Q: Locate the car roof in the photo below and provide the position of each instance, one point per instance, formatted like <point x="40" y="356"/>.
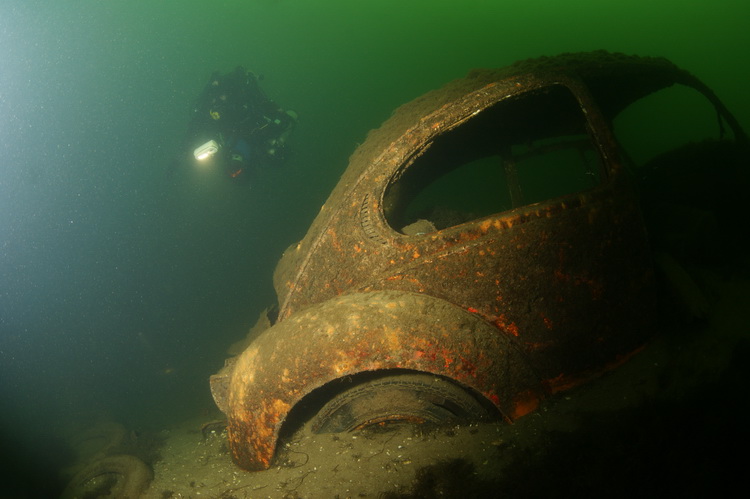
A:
<point x="613" y="80"/>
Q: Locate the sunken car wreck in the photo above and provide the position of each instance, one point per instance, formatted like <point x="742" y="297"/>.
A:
<point x="485" y="248"/>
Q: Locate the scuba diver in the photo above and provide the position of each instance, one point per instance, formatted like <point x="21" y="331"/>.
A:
<point x="236" y="126"/>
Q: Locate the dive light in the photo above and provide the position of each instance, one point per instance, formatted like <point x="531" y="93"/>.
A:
<point x="206" y="150"/>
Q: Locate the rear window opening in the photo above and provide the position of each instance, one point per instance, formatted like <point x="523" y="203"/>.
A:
<point x="522" y="150"/>
<point x="690" y="167"/>
<point x="666" y="121"/>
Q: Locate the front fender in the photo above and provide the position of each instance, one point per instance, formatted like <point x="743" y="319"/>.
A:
<point x="364" y="332"/>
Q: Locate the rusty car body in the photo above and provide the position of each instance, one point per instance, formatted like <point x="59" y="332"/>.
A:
<point x="489" y="235"/>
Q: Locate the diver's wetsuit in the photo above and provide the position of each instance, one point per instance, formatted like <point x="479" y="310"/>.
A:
<point x="249" y="127"/>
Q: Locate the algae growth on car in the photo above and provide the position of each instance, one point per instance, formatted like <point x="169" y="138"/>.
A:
<point x="406" y="302"/>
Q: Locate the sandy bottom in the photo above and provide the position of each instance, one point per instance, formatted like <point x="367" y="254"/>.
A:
<point x="667" y="423"/>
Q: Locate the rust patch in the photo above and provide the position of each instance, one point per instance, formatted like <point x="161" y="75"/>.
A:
<point x="363" y="332"/>
<point x="525" y="403"/>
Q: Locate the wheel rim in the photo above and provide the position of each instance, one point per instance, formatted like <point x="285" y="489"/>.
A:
<point x="398" y="399"/>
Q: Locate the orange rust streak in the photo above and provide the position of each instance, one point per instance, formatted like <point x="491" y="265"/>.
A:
<point x="525" y="402"/>
<point x="334" y="239"/>
<point x="548" y="322"/>
<point x="563" y="382"/>
<point x="511" y="327"/>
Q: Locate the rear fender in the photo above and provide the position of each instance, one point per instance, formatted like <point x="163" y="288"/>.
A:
<point x="361" y="332"/>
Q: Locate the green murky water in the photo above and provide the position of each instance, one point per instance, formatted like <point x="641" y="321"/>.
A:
<point x="120" y="286"/>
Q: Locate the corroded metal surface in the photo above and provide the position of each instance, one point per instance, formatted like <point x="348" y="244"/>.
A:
<point x="367" y="332"/>
<point x="515" y="305"/>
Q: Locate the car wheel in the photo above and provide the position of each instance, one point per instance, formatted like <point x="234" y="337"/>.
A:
<point x="398" y="398"/>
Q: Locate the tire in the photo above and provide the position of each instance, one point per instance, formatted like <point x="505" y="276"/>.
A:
<point x="398" y="399"/>
<point x="120" y="476"/>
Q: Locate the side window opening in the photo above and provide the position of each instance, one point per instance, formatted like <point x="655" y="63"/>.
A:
<point x="522" y="150"/>
<point x="554" y="168"/>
